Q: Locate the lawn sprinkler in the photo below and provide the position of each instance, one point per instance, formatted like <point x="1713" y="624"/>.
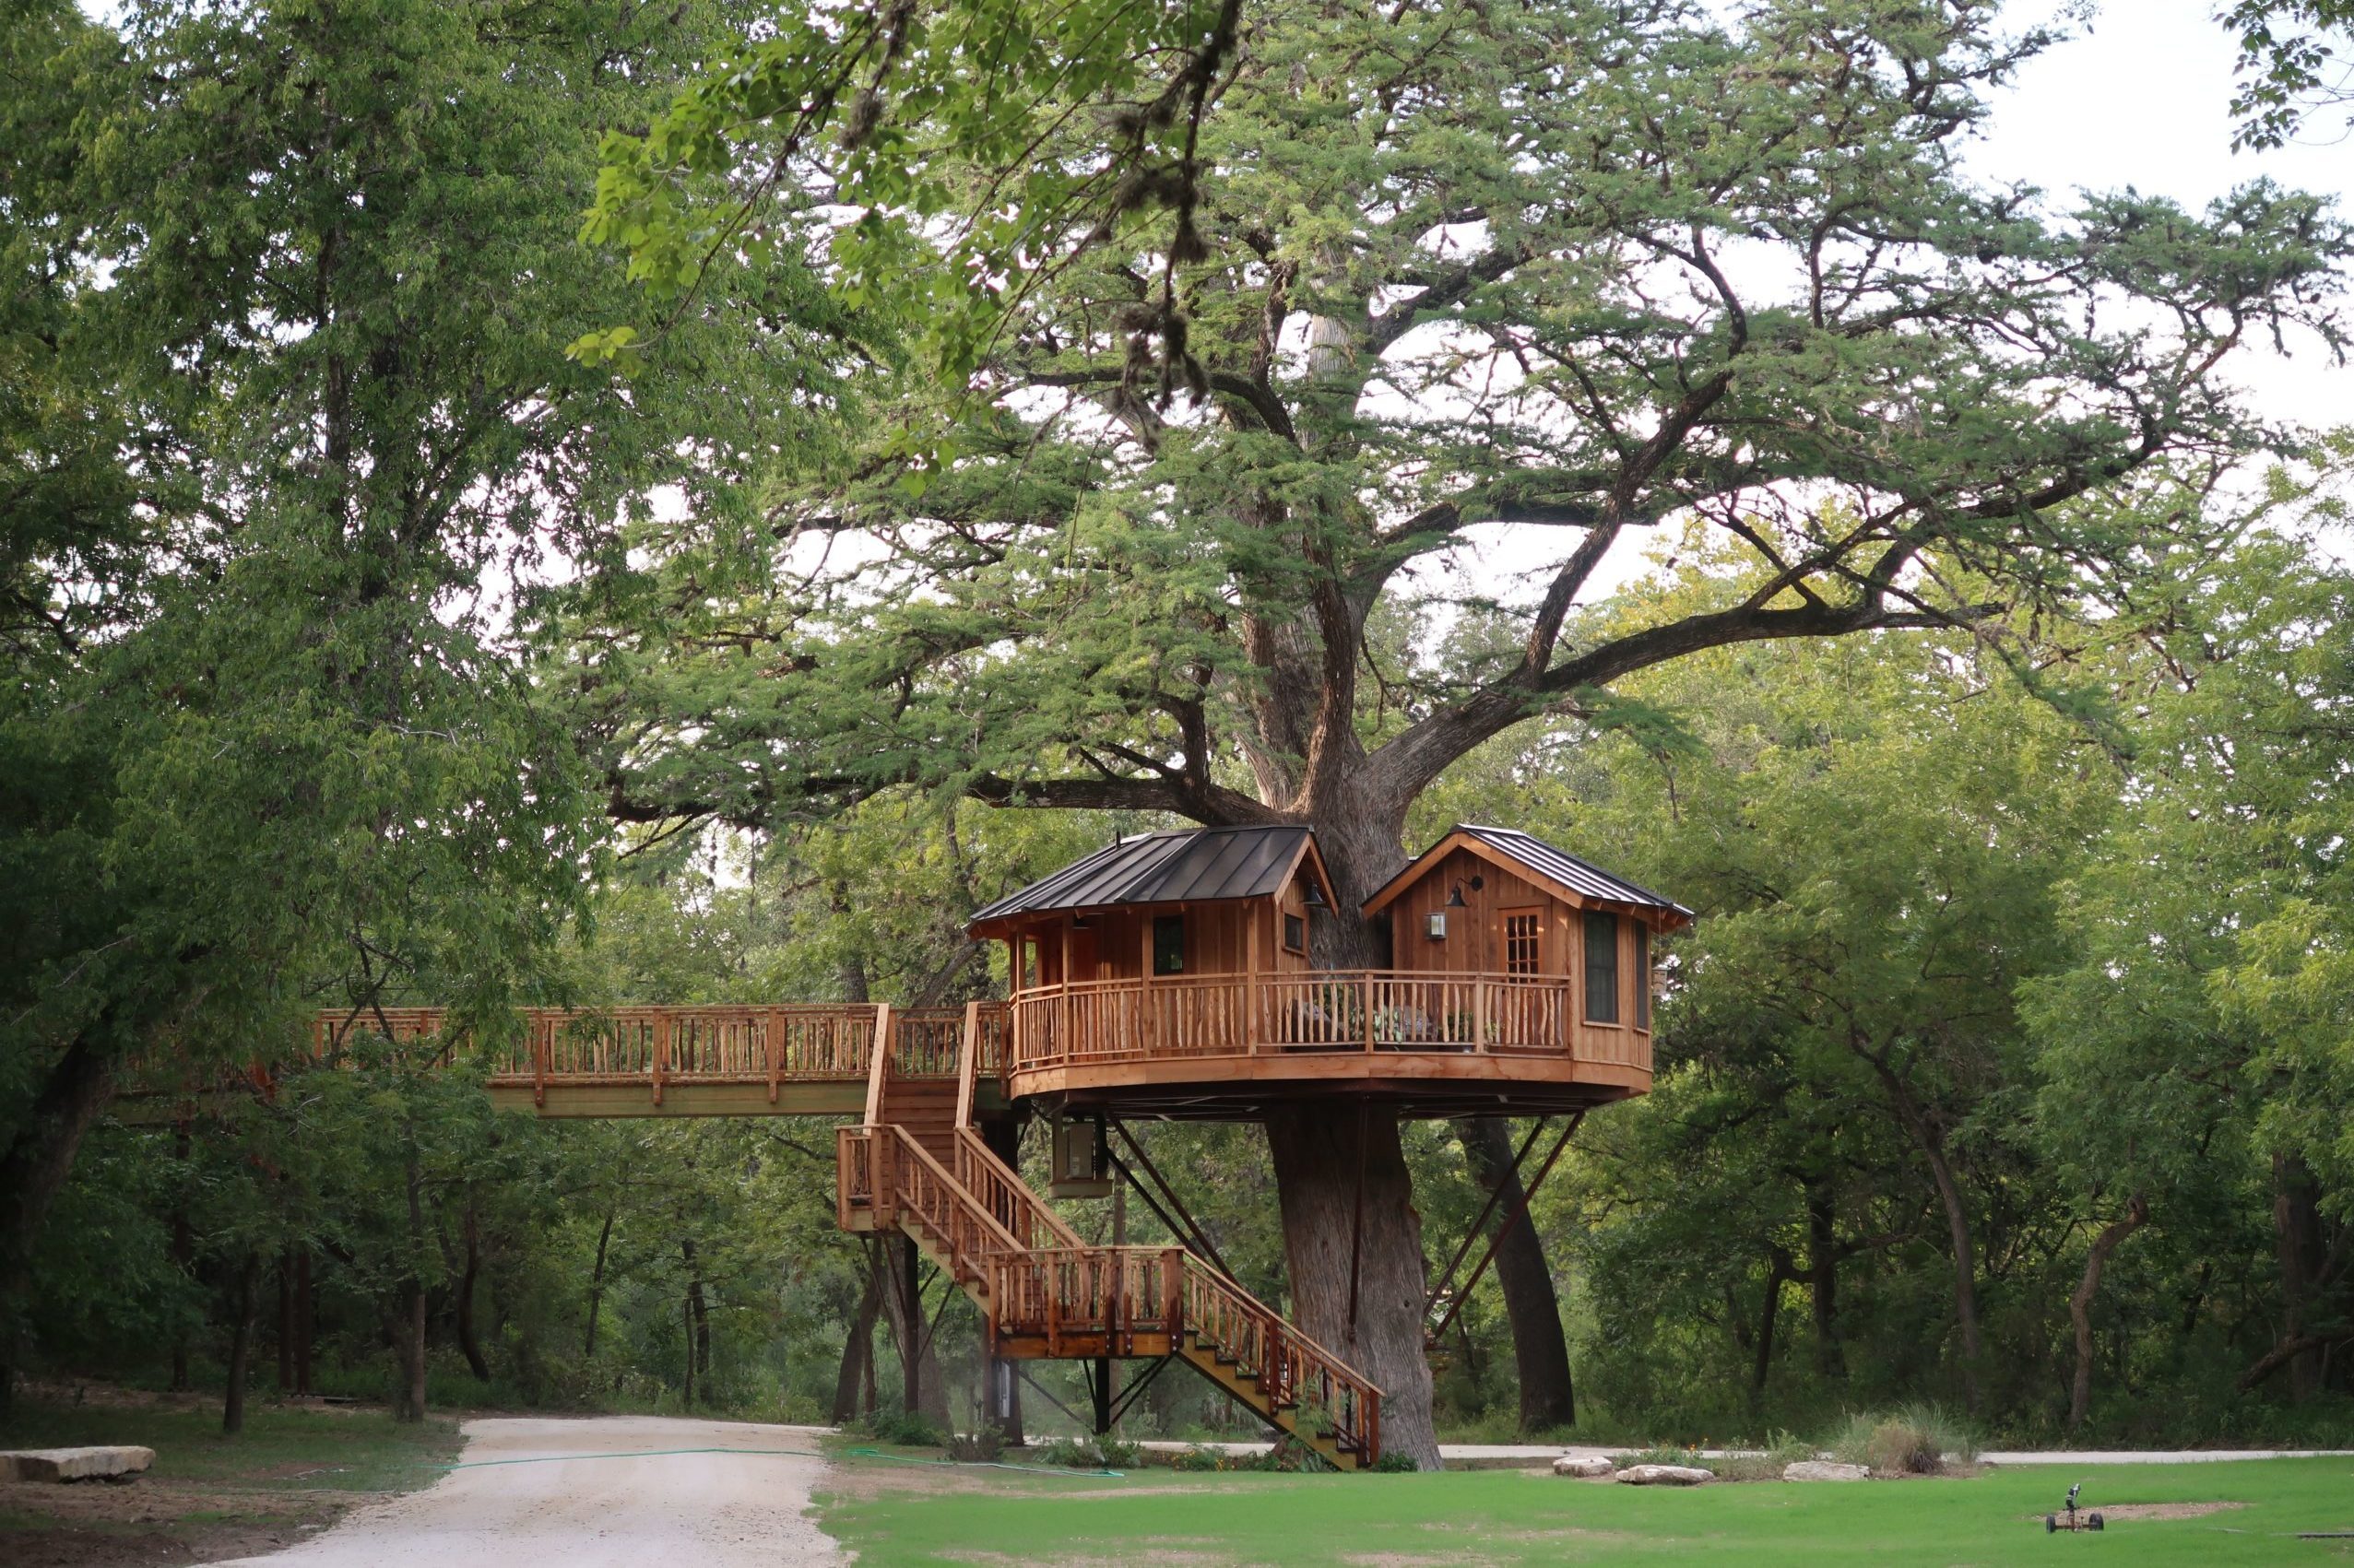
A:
<point x="2053" y="1522"/>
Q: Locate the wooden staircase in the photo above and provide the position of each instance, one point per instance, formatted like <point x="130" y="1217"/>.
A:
<point x="918" y="1166"/>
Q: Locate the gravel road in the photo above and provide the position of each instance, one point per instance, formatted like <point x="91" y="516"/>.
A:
<point x="596" y="1493"/>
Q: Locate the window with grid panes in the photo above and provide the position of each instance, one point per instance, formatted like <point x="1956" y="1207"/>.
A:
<point x="1523" y="942"/>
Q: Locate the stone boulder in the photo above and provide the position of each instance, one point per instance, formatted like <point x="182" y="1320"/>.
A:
<point x="118" y="1464"/>
<point x="1824" y="1469"/>
<point x="1664" y="1475"/>
<point x="1586" y="1467"/>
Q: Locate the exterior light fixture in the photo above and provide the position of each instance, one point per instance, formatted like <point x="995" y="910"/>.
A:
<point x="1315" y="899"/>
<point x="1438" y="924"/>
<point x="1455" y="898"/>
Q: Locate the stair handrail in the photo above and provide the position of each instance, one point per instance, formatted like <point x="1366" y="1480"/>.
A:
<point x="907" y="1182"/>
<point x="1285" y="1359"/>
<point x="980" y="1171"/>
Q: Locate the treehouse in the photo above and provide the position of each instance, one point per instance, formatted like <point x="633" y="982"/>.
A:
<point x="1171" y="975"/>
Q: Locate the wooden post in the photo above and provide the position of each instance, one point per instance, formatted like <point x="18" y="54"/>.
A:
<point x="774" y="1039"/>
<point x="1251" y="976"/>
<point x="1173" y="1292"/>
<point x="543" y="1032"/>
<point x="968" y="1066"/>
<point x="661" y="1050"/>
<point x="878" y="1062"/>
<point x="1479" y="1013"/>
<point x="1368" y="1012"/>
<point x="1151" y="1021"/>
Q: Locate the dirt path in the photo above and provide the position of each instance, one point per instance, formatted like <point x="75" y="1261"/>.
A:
<point x="612" y="1491"/>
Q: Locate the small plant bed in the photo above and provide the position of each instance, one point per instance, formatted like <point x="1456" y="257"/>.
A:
<point x="291" y="1473"/>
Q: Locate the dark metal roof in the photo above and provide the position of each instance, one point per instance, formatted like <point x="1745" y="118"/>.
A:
<point x="1580" y="876"/>
<point x="1180" y="866"/>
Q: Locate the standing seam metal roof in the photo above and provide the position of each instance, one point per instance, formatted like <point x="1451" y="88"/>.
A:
<point x="1177" y="866"/>
<point x="1581" y="875"/>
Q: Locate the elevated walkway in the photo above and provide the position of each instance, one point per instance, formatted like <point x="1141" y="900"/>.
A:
<point x="918" y="1165"/>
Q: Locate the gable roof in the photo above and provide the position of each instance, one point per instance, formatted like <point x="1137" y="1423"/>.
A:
<point x="1184" y="866"/>
<point x="1579" y="881"/>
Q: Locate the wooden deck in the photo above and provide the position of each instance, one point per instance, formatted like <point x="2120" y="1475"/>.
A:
<point x="1227" y="1044"/>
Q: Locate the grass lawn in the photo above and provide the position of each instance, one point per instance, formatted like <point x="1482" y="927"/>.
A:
<point x="906" y="1514"/>
<point x="289" y="1474"/>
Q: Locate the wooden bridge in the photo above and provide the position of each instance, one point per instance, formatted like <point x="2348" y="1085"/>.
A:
<point x="920" y="1081"/>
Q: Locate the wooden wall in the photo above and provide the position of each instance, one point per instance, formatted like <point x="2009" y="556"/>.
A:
<point x="1475" y="943"/>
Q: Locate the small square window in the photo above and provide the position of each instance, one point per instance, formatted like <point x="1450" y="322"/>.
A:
<point x="1169" y="944"/>
<point x="1295" y="934"/>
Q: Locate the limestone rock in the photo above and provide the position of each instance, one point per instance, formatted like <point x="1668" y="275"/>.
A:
<point x="1824" y="1469"/>
<point x="1588" y="1466"/>
<point x="1664" y="1475"/>
<point x="74" y="1464"/>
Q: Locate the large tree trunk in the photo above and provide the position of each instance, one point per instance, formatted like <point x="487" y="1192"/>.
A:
<point x="1540" y="1350"/>
<point x="184" y="1251"/>
<point x="1930" y="1142"/>
<point x="240" y="1345"/>
<point x="32" y="1171"/>
<point x="2080" y="1303"/>
<point x="698" y="1321"/>
<point x="1353" y="1242"/>
<point x="285" y="1320"/>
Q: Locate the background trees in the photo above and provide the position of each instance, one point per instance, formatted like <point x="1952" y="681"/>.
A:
<point x="365" y="645"/>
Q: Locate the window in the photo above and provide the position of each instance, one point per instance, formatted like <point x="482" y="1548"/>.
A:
<point x="1169" y="944"/>
<point x="1642" y="977"/>
<point x="1295" y="934"/>
<point x="1523" y="941"/>
<point x="1601" y="968"/>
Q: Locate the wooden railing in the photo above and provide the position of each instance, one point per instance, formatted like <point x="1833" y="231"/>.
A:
<point x="821" y="1043"/>
<point x="1369" y="1010"/>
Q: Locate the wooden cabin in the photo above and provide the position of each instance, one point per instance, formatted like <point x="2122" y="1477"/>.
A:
<point x="1500" y="902"/>
<point x="1172" y="974"/>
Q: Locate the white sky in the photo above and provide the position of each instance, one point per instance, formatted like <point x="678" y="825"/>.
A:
<point x="2141" y="100"/>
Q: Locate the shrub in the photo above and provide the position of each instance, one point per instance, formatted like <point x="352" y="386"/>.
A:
<point x="980" y="1447"/>
<point x="1198" y="1457"/>
<point x="1395" y="1463"/>
<point x="906" y="1428"/>
<point x="1914" y="1440"/>
<point x="1091" y="1453"/>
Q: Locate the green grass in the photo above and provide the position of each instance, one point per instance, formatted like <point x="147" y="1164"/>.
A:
<point x="924" y="1516"/>
<point x="279" y="1450"/>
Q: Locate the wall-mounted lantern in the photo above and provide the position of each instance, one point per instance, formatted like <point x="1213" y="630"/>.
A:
<point x="1438" y="925"/>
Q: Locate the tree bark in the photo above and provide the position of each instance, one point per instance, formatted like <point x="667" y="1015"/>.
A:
<point x="240" y="1344"/>
<point x="285" y="1320"/>
<point x="1319" y="1154"/>
<point x="32" y="1172"/>
<point x="468" y="1275"/>
<point x="305" y="1316"/>
<point x="183" y="1254"/>
<point x="1932" y="1144"/>
<point x="698" y="1322"/>
<point x="922" y="1390"/>
<point x="596" y="1284"/>
<point x="409" y="1350"/>
<point x="1540" y="1350"/>
<point x="1778" y="1274"/>
<point x="2297" y="1242"/>
<point x="2080" y="1303"/>
<point x="1823" y="1278"/>
<point x="858" y="1351"/>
